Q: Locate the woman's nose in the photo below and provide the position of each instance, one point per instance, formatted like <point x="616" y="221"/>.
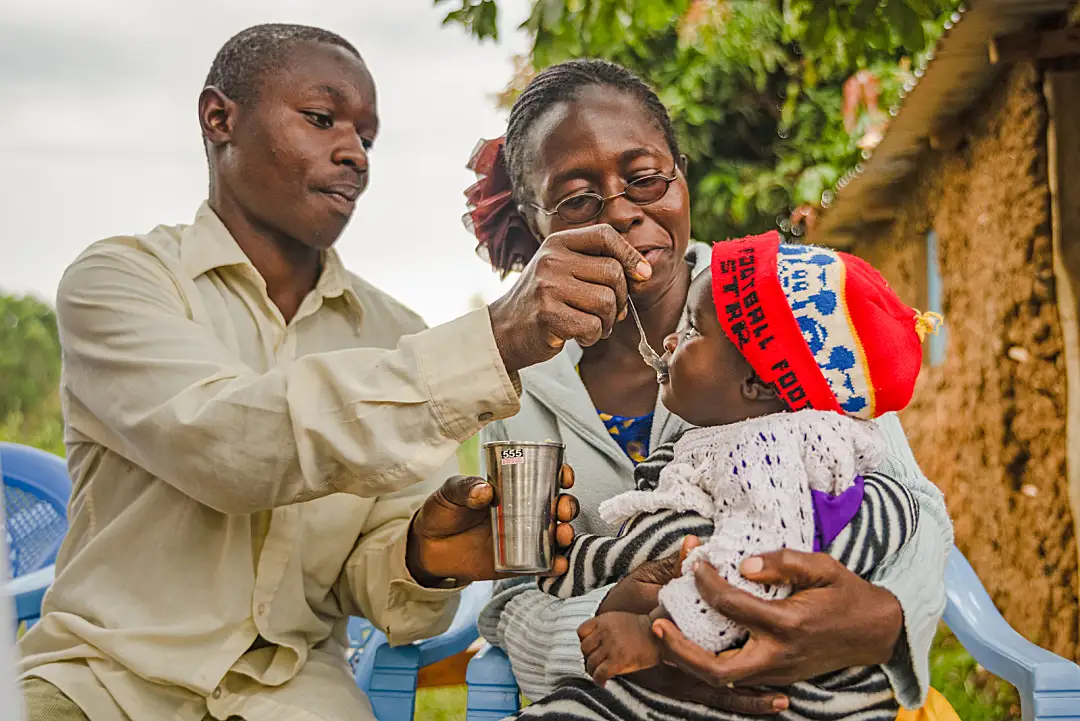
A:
<point x="622" y="214"/>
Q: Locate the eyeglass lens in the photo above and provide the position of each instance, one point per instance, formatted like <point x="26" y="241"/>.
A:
<point x="585" y="207"/>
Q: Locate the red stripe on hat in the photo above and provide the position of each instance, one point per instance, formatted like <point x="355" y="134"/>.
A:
<point x="886" y="330"/>
<point x="755" y="315"/>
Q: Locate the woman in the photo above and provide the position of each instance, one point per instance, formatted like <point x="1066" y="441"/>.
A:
<point x="589" y="143"/>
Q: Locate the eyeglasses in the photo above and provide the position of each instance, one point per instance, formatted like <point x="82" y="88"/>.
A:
<point x="584" y="207"/>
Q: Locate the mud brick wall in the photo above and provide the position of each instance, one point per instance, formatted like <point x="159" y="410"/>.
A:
<point x="988" y="424"/>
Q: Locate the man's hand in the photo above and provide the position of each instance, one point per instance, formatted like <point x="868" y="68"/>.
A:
<point x="573" y="288"/>
<point x="450" y="536"/>
<point x="834" y="620"/>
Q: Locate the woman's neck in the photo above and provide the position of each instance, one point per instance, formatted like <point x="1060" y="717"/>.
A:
<point x="614" y="374"/>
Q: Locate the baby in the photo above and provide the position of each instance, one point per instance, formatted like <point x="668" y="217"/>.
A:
<point x="786" y="354"/>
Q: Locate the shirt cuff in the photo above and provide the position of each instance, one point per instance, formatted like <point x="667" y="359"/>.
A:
<point x="465" y="375"/>
<point x="413" y="611"/>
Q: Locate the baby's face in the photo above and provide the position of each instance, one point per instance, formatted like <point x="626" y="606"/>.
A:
<point x="703" y="385"/>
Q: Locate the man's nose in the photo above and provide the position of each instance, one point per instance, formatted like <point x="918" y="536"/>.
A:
<point x="670" y="342"/>
<point x="352" y="153"/>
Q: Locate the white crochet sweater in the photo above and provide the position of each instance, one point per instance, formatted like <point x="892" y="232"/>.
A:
<point x="753" y="480"/>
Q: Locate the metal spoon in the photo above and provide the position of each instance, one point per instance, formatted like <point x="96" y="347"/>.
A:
<point x="651" y="357"/>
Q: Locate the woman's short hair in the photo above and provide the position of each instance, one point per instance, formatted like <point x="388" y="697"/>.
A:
<point x="561" y="83"/>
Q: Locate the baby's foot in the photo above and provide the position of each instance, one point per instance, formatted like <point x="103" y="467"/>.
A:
<point x="616" y="643"/>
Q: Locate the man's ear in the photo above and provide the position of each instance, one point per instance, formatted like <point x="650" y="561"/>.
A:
<point x="530" y="220"/>
<point x="754" y="389"/>
<point x="683" y="163"/>
<point x="217" y="116"/>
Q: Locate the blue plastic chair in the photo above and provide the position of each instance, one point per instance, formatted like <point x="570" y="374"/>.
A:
<point x="389" y="675"/>
<point x="1049" y="685"/>
<point x="36" y="493"/>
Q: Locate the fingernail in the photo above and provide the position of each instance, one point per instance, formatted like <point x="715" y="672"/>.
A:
<point x="658" y="630"/>
<point x="780" y="704"/>
<point x="622" y="316"/>
<point x="643" y="270"/>
<point x="753" y="565"/>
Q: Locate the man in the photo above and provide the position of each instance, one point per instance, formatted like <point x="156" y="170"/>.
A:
<point x="246" y="421"/>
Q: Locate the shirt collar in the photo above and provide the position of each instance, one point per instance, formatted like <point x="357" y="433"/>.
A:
<point x="207" y="245"/>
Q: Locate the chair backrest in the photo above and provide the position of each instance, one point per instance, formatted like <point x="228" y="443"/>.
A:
<point x="36" y="493"/>
<point x="11" y="705"/>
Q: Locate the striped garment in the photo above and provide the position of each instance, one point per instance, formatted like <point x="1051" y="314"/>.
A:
<point x="885" y="520"/>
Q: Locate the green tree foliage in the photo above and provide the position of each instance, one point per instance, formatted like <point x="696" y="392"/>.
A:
<point x="773" y="100"/>
<point x="29" y="374"/>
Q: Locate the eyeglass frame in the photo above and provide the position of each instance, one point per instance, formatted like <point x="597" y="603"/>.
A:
<point x="604" y="201"/>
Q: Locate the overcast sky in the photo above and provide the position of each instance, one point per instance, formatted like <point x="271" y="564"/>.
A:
<point x="99" y="137"/>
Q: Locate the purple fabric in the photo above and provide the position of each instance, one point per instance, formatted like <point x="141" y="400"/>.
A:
<point x="833" y="513"/>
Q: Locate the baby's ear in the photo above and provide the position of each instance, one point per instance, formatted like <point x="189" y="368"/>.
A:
<point x="756" y="390"/>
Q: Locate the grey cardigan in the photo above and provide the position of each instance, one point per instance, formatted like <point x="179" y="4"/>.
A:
<point x="539" y="632"/>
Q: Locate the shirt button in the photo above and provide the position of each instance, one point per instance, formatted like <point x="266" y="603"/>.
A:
<point x="217" y="692"/>
<point x="485" y="416"/>
<point x="262" y="609"/>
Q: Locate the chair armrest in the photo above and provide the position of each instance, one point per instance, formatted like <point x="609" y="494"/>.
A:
<point x="462" y="631"/>
<point x="28" y="591"/>
<point x="365" y="664"/>
<point x="493" y="690"/>
<point x="388" y="675"/>
<point x="1042" y="678"/>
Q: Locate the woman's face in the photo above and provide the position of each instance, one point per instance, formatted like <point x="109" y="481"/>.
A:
<point x="598" y="144"/>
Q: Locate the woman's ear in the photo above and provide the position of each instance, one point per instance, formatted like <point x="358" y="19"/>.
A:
<point x="754" y="389"/>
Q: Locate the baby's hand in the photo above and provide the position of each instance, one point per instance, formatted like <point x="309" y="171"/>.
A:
<point x="616" y="644"/>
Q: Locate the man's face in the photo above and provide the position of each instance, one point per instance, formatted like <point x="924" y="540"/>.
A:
<point x="296" y="157"/>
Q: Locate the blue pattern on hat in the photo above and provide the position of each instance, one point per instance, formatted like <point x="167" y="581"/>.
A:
<point x="812" y="279"/>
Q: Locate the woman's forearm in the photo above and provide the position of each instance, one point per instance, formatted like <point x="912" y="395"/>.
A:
<point x="539" y="633"/>
<point x="916" y="573"/>
<point x="916" y="577"/>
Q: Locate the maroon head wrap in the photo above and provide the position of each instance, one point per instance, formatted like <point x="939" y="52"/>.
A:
<point x="505" y="240"/>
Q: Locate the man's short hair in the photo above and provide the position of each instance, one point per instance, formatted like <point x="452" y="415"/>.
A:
<point x="245" y="59"/>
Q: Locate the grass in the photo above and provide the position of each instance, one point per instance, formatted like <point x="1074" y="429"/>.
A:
<point x="974" y="693"/>
<point x="442" y="703"/>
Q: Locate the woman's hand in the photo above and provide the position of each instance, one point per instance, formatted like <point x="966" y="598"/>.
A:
<point x="834" y="620"/>
<point x="639" y="591"/>
<point x="672" y="682"/>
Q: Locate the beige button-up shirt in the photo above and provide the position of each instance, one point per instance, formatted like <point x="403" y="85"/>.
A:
<point x="194" y="413"/>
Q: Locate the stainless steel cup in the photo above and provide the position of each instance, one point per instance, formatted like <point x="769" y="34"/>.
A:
<point x="525" y="477"/>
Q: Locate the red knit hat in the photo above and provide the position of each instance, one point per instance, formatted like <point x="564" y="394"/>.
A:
<point x="822" y="326"/>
